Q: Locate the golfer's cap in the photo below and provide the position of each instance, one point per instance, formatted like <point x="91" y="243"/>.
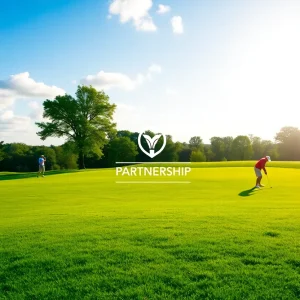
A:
<point x="268" y="158"/>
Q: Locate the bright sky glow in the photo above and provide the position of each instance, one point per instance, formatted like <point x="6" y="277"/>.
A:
<point x="184" y="68"/>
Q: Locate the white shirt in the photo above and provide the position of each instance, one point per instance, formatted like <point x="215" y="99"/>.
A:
<point x="41" y="161"/>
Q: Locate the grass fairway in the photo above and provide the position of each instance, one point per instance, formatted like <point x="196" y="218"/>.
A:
<point x="82" y="236"/>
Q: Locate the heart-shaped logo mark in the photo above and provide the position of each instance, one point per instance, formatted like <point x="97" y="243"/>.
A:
<point x="151" y="143"/>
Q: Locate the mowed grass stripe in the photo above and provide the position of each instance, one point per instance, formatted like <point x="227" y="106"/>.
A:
<point x="81" y="236"/>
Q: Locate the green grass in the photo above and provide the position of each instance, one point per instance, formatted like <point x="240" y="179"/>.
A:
<point x="82" y="236"/>
<point x="234" y="164"/>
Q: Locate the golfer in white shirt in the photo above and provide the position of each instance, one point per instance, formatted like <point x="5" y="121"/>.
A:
<point x="41" y="171"/>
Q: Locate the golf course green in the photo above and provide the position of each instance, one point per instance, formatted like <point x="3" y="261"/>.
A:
<point x="81" y="235"/>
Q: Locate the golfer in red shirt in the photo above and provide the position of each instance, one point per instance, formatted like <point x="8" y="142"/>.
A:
<point x="258" y="167"/>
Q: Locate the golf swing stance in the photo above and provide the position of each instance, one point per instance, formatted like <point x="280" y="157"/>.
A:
<point x="42" y="160"/>
<point x="260" y="165"/>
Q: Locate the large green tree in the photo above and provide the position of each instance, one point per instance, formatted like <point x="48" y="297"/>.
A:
<point x="185" y="153"/>
<point x="121" y="149"/>
<point x="66" y="158"/>
<point x="241" y="148"/>
<point x="228" y="146"/>
<point x="262" y="148"/>
<point x="209" y="154"/>
<point x="288" y="140"/>
<point x="170" y="152"/>
<point x="1" y="151"/>
<point x="86" y="120"/>
<point x="196" y="143"/>
<point x="197" y="156"/>
<point x="257" y="147"/>
<point x="218" y="148"/>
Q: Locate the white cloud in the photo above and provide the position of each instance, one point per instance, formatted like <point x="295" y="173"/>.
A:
<point x="9" y="123"/>
<point x="145" y="24"/>
<point x="177" y="24"/>
<point x="21" y="129"/>
<point x="171" y="92"/>
<point x="155" y="68"/>
<point x="107" y="80"/>
<point x="136" y="11"/>
<point x="21" y="86"/>
<point x="25" y="86"/>
<point x="7" y="115"/>
<point x="163" y="9"/>
<point x="6" y="98"/>
<point x="36" y="113"/>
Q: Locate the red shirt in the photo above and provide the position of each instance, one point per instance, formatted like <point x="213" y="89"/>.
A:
<point x="261" y="163"/>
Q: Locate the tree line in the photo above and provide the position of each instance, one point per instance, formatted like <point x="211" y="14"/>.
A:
<point x="86" y="122"/>
<point x="123" y="146"/>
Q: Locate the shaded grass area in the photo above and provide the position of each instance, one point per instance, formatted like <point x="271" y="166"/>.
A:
<point x="21" y="175"/>
<point x="81" y="236"/>
<point x="247" y="193"/>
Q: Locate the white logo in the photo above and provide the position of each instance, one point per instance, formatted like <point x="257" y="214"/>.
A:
<point x="151" y="143"/>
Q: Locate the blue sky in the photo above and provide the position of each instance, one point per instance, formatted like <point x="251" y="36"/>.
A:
<point x="225" y="68"/>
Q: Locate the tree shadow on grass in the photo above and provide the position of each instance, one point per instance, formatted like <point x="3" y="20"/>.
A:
<point x="14" y="176"/>
<point x="247" y="193"/>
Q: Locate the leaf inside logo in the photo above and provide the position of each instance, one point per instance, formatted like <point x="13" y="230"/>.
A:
<point x="152" y="141"/>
